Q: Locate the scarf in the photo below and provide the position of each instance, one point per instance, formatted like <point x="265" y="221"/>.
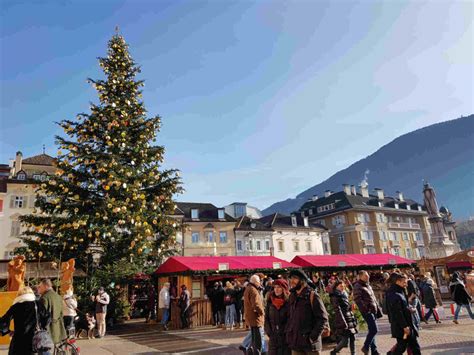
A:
<point x="278" y="302"/>
<point x="27" y="297"/>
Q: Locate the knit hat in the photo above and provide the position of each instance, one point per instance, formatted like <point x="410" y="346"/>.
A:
<point x="282" y="283"/>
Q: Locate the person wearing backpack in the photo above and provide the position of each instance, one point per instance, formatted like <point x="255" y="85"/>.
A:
<point x="307" y="316"/>
<point x="460" y="296"/>
<point x="229" y="301"/>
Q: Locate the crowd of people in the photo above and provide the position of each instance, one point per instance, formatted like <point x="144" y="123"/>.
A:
<point x="41" y="308"/>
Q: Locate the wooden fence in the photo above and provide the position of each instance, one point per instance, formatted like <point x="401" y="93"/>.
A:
<point x="199" y="313"/>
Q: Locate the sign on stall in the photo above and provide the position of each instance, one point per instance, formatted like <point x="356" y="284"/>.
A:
<point x="276" y="265"/>
<point x="223" y="266"/>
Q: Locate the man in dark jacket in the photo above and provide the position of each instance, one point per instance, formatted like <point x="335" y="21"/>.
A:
<point x="460" y="296"/>
<point x="307" y="318"/>
<point x="365" y="299"/>
<point x="400" y="317"/>
<point x="214" y="295"/>
<point x="414" y="295"/>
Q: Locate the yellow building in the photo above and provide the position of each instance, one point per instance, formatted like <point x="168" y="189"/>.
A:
<point x="17" y="197"/>
<point x="207" y="230"/>
<point x="363" y="223"/>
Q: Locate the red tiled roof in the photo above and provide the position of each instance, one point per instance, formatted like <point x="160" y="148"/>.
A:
<point x="183" y="264"/>
<point x="350" y="260"/>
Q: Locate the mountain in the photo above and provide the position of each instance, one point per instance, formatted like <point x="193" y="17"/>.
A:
<point x="442" y="154"/>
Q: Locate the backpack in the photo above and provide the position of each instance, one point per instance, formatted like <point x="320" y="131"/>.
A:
<point x="327" y="329"/>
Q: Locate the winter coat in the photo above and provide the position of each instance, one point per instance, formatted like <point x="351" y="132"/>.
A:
<point x="253" y="306"/>
<point x="412" y="288"/>
<point x="164" y="298"/>
<point x="217" y="298"/>
<point x="459" y="293"/>
<point x="429" y="297"/>
<point x="54" y="305"/>
<point x="22" y="312"/>
<point x="364" y="297"/>
<point x="345" y="321"/>
<point x="101" y="302"/>
<point x="306" y="321"/>
<point x="69" y="306"/>
<point x="184" y="300"/>
<point x="239" y="294"/>
<point x="399" y="313"/>
<point x="275" y="325"/>
<point x="229" y="296"/>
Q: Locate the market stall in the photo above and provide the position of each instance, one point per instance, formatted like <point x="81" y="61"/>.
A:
<point x="198" y="273"/>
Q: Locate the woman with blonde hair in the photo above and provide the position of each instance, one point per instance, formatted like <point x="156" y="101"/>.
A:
<point x="229" y="301"/>
<point x="24" y="313"/>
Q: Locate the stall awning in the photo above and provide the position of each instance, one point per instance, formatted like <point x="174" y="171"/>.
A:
<point x="350" y="260"/>
<point x="459" y="265"/>
<point x="224" y="264"/>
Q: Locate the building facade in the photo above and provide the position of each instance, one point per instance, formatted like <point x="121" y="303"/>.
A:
<point x="363" y="223"/>
<point x="206" y="230"/>
<point x="18" y="195"/>
<point x="240" y="209"/>
<point x="282" y="236"/>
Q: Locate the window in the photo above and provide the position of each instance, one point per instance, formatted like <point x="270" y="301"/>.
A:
<point x="338" y="220"/>
<point x="250" y="245"/>
<point x="195" y="237"/>
<point x="397" y="206"/>
<point x="223" y="237"/>
<point x="267" y="245"/>
<point x="369" y="250"/>
<point x="293" y="221"/>
<point x="306" y="221"/>
<point x="341" y="238"/>
<point x="367" y="235"/>
<point x="296" y="246"/>
<point x="239" y="210"/>
<point x="259" y="245"/>
<point x="220" y="214"/>
<point x="321" y="222"/>
<point x="44" y="177"/>
<point x="383" y="235"/>
<point x="396" y="251"/>
<point x="210" y="237"/>
<point x="239" y="245"/>
<point x="421" y="251"/>
<point x="418" y="236"/>
<point x="393" y="236"/>
<point x="36" y="177"/>
<point x="194" y="213"/>
<point x="408" y="207"/>
<point x="326" y="248"/>
<point x="15" y="231"/>
<point x="363" y="218"/>
<point x="308" y="246"/>
<point x="281" y="246"/>
<point x="310" y="211"/>
<point x="21" y="176"/>
<point x="385" y="250"/>
<point x="408" y="253"/>
<point x="381" y="218"/>
<point x="196" y="289"/>
<point x="405" y="236"/>
<point x="19" y="202"/>
<point x="417" y="253"/>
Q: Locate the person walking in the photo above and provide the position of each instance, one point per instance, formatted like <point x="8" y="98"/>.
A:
<point x="229" y="301"/>
<point x="53" y="303"/>
<point x="365" y="299"/>
<point x="164" y="301"/>
<point x="460" y="296"/>
<point x="25" y="317"/>
<point x="345" y="321"/>
<point x="102" y="299"/>
<point x="413" y="296"/>
<point x="307" y="316"/>
<point x="254" y="317"/>
<point x="183" y="303"/>
<point x="69" y="311"/>
<point x="276" y="317"/>
<point x="429" y="300"/>
<point x="400" y="315"/>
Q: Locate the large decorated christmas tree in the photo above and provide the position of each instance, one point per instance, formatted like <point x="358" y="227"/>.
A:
<point x="110" y="195"/>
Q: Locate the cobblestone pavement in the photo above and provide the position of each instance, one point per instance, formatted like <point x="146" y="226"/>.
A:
<point x="446" y="338"/>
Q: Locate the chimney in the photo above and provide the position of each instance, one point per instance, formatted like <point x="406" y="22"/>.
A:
<point x="364" y="190"/>
<point x="327" y="193"/>
<point x="379" y="193"/>
<point x="400" y="196"/>
<point x="353" y="190"/>
<point x="18" y="161"/>
<point x="314" y="198"/>
<point x="347" y="189"/>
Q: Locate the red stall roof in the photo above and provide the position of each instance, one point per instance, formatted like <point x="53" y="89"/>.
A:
<point x="350" y="260"/>
<point x="196" y="264"/>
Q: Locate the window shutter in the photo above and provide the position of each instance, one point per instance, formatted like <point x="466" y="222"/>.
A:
<point x="32" y="201"/>
<point x="25" y="202"/>
<point x="12" y="201"/>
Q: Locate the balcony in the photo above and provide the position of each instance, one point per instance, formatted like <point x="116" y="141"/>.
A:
<point x="368" y="242"/>
<point x="396" y="225"/>
<point x="396" y="242"/>
<point x="420" y="243"/>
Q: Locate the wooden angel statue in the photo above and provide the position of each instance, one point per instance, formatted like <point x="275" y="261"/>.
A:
<point x="16" y="273"/>
<point x="67" y="273"/>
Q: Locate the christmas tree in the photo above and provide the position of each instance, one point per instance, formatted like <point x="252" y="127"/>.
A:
<point x="110" y="194"/>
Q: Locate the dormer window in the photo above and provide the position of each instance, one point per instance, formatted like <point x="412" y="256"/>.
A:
<point x="37" y="177"/>
<point x="419" y="208"/>
<point x="44" y="177"/>
<point x="306" y="221"/>
<point x="220" y="214"/>
<point x="293" y="221"/>
<point x="194" y="213"/>
<point x="396" y="206"/>
<point x="21" y="175"/>
<point x="408" y="207"/>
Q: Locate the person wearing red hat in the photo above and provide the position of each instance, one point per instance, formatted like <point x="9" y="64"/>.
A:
<point x="276" y="316"/>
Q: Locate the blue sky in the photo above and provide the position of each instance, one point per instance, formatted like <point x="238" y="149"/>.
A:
<point x="260" y="99"/>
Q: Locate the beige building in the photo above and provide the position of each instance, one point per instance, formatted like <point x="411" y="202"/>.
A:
<point x="363" y="223"/>
<point x="207" y="230"/>
<point x="17" y="196"/>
